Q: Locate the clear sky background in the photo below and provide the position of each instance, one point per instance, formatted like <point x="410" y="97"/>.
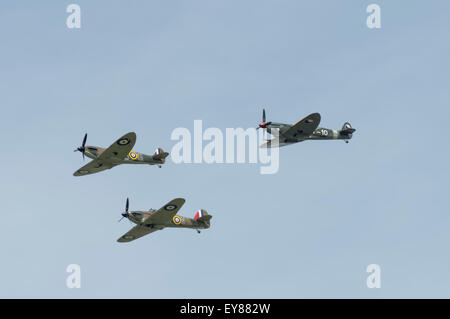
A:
<point x="152" y="66"/>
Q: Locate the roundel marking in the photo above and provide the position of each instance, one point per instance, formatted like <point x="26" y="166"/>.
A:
<point x="133" y="155"/>
<point x="128" y="237"/>
<point x="170" y="207"/>
<point x="176" y="220"/>
<point x="123" y="141"/>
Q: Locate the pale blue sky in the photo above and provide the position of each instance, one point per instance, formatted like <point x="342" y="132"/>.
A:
<point x="152" y="66"/>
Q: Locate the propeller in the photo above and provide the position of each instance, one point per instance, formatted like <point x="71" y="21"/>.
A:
<point x="125" y="214"/>
<point x="82" y="148"/>
<point x="263" y="124"/>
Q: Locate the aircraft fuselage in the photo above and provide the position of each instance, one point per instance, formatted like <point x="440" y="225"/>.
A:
<point x="144" y="218"/>
<point x="133" y="157"/>
<point x="318" y="134"/>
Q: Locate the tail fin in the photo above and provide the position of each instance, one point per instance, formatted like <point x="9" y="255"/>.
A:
<point x="160" y="154"/>
<point x="202" y="216"/>
<point x="347" y="129"/>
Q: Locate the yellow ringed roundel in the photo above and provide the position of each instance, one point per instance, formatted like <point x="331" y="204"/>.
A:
<point x="176" y="220"/>
<point x="133" y="155"/>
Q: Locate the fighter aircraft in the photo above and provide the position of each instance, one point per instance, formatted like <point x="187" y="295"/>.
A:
<point x="118" y="153"/>
<point x="305" y="129"/>
<point x="153" y="220"/>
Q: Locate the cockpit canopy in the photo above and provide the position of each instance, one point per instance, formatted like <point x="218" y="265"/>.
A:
<point x="137" y="215"/>
<point x="92" y="150"/>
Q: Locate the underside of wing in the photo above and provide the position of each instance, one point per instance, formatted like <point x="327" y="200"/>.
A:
<point x="303" y="128"/>
<point x="120" y="148"/>
<point x="92" y="167"/>
<point x="166" y="213"/>
<point x="277" y="143"/>
<point x="137" y="232"/>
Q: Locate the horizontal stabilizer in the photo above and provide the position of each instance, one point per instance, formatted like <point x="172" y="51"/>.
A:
<point x="202" y="216"/>
<point x="160" y="154"/>
<point x="347" y="129"/>
<point x="205" y="219"/>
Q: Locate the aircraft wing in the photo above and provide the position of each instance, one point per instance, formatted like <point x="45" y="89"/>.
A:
<point x="304" y="127"/>
<point x="136" y="232"/>
<point x="119" y="148"/>
<point x="92" y="167"/>
<point x="275" y="142"/>
<point x="166" y="213"/>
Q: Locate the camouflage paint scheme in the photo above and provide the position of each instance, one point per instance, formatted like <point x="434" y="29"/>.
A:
<point x="120" y="152"/>
<point x="153" y="220"/>
<point x="305" y="129"/>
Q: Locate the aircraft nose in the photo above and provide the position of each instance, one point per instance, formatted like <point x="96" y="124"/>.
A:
<point x="262" y="125"/>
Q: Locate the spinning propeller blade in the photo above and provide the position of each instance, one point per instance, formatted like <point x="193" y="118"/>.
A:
<point x="82" y="148"/>
<point x="263" y="124"/>
<point x="125" y="214"/>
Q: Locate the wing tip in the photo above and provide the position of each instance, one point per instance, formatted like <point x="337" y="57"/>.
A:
<point x="316" y="114"/>
<point x="181" y="201"/>
<point x="123" y="239"/>
<point x="130" y="135"/>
